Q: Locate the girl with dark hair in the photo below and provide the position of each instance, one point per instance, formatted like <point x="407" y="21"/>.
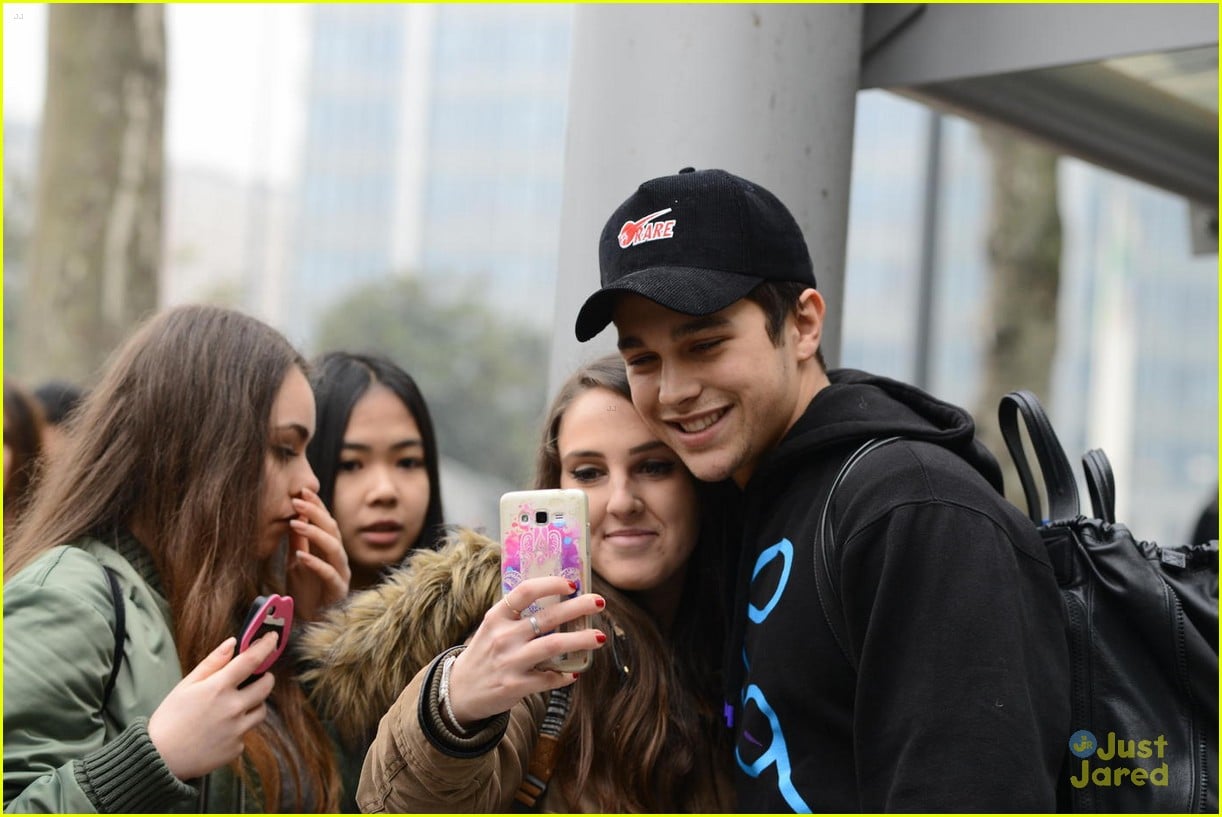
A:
<point x="185" y="478"/>
<point x="23" y="430"/>
<point x="479" y="726"/>
<point x="375" y="454"/>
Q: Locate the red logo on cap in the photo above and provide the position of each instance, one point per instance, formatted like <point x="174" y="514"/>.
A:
<point x="646" y="229"/>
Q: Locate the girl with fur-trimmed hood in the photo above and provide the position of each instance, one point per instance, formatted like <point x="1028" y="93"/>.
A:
<point x="476" y="726"/>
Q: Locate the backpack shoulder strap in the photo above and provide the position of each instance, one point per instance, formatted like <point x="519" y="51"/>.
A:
<point x="825" y="554"/>
<point x="120" y="633"/>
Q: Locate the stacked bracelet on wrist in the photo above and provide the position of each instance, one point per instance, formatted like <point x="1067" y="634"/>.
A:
<point x="443" y="698"/>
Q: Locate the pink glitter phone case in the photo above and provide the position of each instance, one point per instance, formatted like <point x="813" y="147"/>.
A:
<point x="547" y="533"/>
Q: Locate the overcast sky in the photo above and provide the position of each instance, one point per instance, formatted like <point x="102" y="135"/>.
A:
<point x="236" y="83"/>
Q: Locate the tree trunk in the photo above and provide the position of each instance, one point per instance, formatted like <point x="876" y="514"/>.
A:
<point x="1025" y="261"/>
<point x="96" y="247"/>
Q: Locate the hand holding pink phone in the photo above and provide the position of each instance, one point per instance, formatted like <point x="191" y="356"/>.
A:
<point x="200" y="724"/>
<point x="502" y="661"/>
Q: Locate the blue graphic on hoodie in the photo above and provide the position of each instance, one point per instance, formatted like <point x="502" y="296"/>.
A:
<point x="776" y="752"/>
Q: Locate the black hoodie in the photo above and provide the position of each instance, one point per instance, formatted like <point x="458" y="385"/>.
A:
<point x="960" y="701"/>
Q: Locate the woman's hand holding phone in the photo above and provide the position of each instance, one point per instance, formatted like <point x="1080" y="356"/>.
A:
<point x="199" y="726"/>
<point x="318" y="572"/>
<point x="499" y="667"/>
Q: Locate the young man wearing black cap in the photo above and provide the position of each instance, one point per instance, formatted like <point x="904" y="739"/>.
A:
<point x="918" y="663"/>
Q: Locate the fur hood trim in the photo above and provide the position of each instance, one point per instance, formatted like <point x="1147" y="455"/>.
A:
<point x="363" y="653"/>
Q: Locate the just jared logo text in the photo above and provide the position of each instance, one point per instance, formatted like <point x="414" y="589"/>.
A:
<point x="1084" y="745"/>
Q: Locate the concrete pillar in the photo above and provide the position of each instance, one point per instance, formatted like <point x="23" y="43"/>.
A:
<point x="763" y="91"/>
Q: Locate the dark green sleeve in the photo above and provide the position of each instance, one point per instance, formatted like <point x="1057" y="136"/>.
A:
<point x="58" y="651"/>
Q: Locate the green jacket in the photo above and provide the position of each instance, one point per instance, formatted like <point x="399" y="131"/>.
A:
<point x="62" y="752"/>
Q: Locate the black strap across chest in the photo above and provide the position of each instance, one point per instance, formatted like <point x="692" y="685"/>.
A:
<point x="116" y="595"/>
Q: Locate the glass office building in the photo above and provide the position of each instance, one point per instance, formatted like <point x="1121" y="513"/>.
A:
<point x="434" y="148"/>
<point x="347" y="194"/>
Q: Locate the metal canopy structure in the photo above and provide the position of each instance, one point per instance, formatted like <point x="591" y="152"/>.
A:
<point x="1132" y="88"/>
<point x="768" y="90"/>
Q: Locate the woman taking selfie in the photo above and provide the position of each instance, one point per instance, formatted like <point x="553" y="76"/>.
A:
<point x="183" y="493"/>
<point x="638" y="731"/>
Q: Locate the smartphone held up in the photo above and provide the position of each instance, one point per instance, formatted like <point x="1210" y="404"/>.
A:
<point x="547" y="533"/>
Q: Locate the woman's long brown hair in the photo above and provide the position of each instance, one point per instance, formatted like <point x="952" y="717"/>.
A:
<point x="174" y="440"/>
<point x="632" y="739"/>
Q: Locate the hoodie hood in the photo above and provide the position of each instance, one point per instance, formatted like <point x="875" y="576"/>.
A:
<point x="858" y="406"/>
<point x="362" y="654"/>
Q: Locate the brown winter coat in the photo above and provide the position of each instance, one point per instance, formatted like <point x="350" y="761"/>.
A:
<point x="361" y="655"/>
<point x="404" y="772"/>
<point x="371" y="659"/>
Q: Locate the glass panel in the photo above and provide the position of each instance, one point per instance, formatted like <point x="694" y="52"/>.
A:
<point x="1135" y="372"/>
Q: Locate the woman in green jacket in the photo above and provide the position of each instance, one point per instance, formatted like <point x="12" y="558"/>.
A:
<point x="186" y="476"/>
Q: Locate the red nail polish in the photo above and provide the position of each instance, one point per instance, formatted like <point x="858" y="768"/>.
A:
<point x="601" y="638"/>
<point x="576" y="675"/>
<point x="572" y="585"/>
<point x="600" y="603"/>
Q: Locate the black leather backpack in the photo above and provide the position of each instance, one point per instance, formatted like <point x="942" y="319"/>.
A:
<point x="1142" y="632"/>
<point x="1143" y="640"/>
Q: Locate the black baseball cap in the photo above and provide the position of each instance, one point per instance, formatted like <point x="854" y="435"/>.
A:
<point x="694" y="242"/>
